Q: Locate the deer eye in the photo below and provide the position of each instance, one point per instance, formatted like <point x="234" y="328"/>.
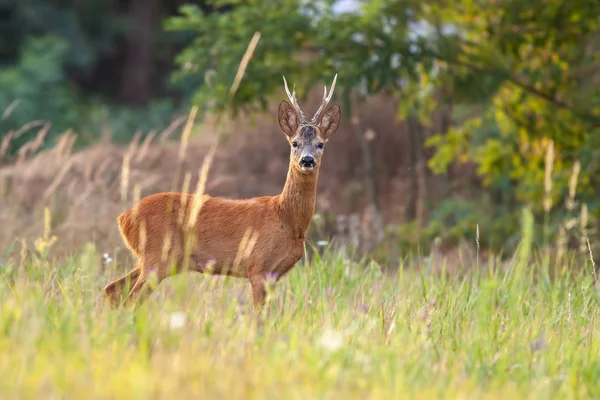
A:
<point x="294" y="144"/>
<point x="321" y="145"/>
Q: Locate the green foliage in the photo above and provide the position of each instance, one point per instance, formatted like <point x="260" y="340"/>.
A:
<point x="61" y="63"/>
<point x="35" y="89"/>
<point x="212" y="59"/>
<point x="306" y="41"/>
<point x="89" y="28"/>
<point x="536" y="51"/>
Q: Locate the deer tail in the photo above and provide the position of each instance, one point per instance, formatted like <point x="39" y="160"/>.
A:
<point x="129" y="229"/>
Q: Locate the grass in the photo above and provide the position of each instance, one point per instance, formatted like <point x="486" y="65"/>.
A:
<point x="334" y="329"/>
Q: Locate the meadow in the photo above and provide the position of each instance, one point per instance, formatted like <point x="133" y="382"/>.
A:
<point x="334" y="328"/>
<point x="458" y="136"/>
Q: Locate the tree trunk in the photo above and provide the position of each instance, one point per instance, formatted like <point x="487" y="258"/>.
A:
<point x="137" y="74"/>
<point x="418" y="174"/>
<point x="372" y="221"/>
<point x="365" y="146"/>
<point x="444" y="121"/>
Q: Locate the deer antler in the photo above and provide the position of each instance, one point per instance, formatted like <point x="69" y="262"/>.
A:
<point x="326" y="100"/>
<point x="294" y="102"/>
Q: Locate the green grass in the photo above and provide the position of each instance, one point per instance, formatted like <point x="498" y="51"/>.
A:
<point x="335" y="330"/>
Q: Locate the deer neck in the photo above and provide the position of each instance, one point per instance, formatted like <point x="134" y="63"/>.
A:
<point x="298" y="198"/>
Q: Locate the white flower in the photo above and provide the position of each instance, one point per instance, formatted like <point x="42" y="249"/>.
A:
<point x="331" y="340"/>
<point x="322" y="243"/>
<point x="177" y="320"/>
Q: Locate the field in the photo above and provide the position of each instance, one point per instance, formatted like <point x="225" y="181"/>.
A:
<point x="333" y="329"/>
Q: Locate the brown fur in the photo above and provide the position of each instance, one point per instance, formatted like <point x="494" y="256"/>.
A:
<point x="273" y="227"/>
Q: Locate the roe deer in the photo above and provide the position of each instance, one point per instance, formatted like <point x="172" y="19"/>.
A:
<point x="157" y="229"/>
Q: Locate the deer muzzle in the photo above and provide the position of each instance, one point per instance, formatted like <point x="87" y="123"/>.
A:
<point x="307" y="163"/>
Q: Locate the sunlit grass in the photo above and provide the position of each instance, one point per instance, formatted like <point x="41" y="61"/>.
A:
<point x="334" y="329"/>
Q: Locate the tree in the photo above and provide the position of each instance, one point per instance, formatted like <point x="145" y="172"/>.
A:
<point x="518" y="75"/>
<point x="532" y="66"/>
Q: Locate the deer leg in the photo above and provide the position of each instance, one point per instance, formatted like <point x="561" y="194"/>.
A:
<point x="259" y="292"/>
<point x="114" y="290"/>
<point x="139" y="292"/>
<point x="149" y="278"/>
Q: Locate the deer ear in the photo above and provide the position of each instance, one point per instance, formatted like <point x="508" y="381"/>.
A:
<point x="330" y="122"/>
<point x="288" y="119"/>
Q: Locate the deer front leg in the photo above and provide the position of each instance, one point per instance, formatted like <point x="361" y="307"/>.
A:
<point x="259" y="292"/>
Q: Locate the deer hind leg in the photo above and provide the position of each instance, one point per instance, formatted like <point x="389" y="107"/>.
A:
<point x="116" y="290"/>
<point x="140" y="292"/>
<point x="151" y="275"/>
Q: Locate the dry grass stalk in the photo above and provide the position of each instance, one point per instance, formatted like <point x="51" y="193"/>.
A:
<point x="65" y="143"/>
<point x="168" y="131"/>
<point x="145" y="146"/>
<point x="58" y="179"/>
<point x="33" y="146"/>
<point x="187" y="131"/>
<point x="573" y="185"/>
<point x="567" y="225"/>
<point x="6" y="143"/>
<point x="549" y="164"/>
<point x="11" y="107"/>
<point x="28" y="126"/>
<point x="184" y="189"/>
<point x="583" y="225"/>
<point x="133" y="143"/>
<point x="591" y="254"/>
<point x="125" y="177"/>
<point x="245" y="247"/>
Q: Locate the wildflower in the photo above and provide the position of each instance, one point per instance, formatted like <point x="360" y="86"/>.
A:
<point x="272" y="277"/>
<point x="241" y="297"/>
<point x="362" y="307"/>
<point x="177" y="320"/>
<point x="537" y="345"/>
<point x="322" y="243"/>
<point x="331" y="340"/>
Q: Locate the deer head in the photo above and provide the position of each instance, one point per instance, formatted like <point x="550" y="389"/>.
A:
<point x="308" y="138"/>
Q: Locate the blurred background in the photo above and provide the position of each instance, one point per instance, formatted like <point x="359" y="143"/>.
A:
<point x="458" y="114"/>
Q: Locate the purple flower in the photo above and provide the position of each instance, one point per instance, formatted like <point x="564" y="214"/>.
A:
<point x="241" y="298"/>
<point x="362" y="307"/>
<point x="272" y="276"/>
<point x="329" y="292"/>
<point x="539" y="344"/>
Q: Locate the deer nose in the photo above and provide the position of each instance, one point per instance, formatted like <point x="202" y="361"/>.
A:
<point x="308" y="162"/>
